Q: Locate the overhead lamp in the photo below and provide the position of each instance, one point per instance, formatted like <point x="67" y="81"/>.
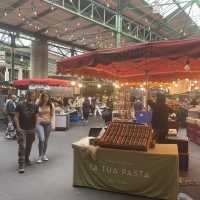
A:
<point x="35" y="13"/>
<point x="99" y="86"/>
<point x="176" y="85"/>
<point x="23" y="19"/>
<point x="73" y="83"/>
<point x="187" y="67"/>
<point x="142" y="89"/>
<point x="195" y="81"/>
<point x="196" y="88"/>
<point x="80" y="85"/>
<point x="5" y="14"/>
<point x="21" y="59"/>
<point x="187" y="79"/>
<point x="126" y="83"/>
<point x="192" y="84"/>
<point x="19" y="14"/>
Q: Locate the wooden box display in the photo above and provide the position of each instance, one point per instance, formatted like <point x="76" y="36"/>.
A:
<point x="126" y="136"/>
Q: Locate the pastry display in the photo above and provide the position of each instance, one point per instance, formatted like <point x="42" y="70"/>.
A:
<point x="127" y="136"/>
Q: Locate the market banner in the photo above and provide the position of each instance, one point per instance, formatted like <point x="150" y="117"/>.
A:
<point x="153" y="174"/>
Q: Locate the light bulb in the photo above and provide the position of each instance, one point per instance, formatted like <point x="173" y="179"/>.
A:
<point x="73" y="83"/>
<point x="98" y="85"/>
<point x="80" y="85"/>
<point x="187" y="67"/>
<point x="5" y="13"/>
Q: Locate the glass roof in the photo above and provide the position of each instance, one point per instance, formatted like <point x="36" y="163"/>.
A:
<point x="167" y="7"/>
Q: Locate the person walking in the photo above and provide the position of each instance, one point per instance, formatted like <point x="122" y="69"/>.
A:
<point x="10" y="110"/>
<point x="86" y="109"/>
<point x="25" y="117"/>
<point x="44" y="125"/>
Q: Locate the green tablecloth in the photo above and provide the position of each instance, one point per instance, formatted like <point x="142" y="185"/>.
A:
<point x="152" y="174"/>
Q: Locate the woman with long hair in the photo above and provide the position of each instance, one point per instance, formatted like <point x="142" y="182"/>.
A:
<point x="43" y="127"/>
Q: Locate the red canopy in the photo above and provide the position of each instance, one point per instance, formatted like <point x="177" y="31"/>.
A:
<point x="47" y="81"/>
<point x="163" y="60"/>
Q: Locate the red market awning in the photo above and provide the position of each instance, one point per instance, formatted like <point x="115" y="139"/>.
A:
<point x="163" y="61"/>
<point x="47" y="81"/>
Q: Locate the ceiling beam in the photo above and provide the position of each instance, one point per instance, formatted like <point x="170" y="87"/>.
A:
<point x="178" y="11"/>
<point x="36" y="35"/>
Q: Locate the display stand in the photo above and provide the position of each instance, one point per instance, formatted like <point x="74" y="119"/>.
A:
<point x="62" y="121"/>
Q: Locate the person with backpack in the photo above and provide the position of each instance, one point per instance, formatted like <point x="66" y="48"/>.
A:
<point x="44" y="125"/>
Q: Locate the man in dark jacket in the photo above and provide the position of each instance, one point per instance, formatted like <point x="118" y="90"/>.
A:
<point x="25" y="116"/>
<point x="160" y="117"/>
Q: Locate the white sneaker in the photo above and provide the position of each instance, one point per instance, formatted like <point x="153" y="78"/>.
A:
<point x="39" y="161"/>
<point x="45" y="158"/>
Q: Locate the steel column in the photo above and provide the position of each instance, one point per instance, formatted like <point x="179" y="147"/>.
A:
<point x="118" y="25"/>
<point x="13" y="37"/>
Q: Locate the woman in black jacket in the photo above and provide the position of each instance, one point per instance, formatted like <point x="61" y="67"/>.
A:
<point x="160" y="117"/>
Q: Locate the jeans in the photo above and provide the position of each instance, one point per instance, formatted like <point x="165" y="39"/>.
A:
<point x="43" y="133"/>
<point x="25" y="140"/>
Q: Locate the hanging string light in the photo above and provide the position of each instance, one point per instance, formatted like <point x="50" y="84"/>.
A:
<point x="187" y="66"/>
<point x="19" y="13"/>
<point x="108" y="3"/>
<point x="5" y="14"/>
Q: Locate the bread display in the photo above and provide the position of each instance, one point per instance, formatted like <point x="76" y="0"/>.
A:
<point x="127" y="136"/>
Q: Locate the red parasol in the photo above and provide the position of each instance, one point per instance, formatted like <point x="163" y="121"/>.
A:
<point x="161" y="61"/>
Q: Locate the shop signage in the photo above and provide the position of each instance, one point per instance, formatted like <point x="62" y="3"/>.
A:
<point x="39" y="87"/>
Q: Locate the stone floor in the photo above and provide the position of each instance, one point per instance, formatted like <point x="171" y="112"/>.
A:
<point x="53" y="180"/>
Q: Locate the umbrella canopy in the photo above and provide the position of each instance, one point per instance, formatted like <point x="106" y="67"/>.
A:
<point x="48" y="81"/>
<point x="163" y="60"/>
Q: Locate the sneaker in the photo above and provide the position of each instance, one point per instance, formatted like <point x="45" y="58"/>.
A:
<point x="21" y="169"/>
<point x="28" y="162"/>
<point x="45" y="158"/>
<point x="39" y="161"/>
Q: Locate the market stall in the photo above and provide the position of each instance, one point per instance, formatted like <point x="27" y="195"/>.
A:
<point x="101" y="166"/>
